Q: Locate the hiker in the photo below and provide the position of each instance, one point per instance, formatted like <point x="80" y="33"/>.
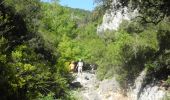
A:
<point x="72" y="66"/>
<point x="92" y="68"/>
<point x="80" y="66"/>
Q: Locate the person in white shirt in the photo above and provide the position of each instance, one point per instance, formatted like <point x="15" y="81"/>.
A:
<point x="80" y="67"/>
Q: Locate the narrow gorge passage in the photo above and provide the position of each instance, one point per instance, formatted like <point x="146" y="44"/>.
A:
<point x="93" y="89"/>
<point x="109" y="89"/>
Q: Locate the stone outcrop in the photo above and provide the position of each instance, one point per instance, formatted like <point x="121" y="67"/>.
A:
<point x="113" y="18"/>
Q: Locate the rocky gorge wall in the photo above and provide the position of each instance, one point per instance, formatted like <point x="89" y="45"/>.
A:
<point x="111" y="21"/>
<point x="113" y="18"/>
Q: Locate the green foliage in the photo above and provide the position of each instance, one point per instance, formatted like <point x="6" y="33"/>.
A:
<point x="58" y="20"/>
<point x="127" y="52"/>
<point x="3" y="42"/>
<point x="167" y="96"/>
<point x="34" y="75"/>
<point x="48" y="97"/>
<point x="35" y="52"/>
<point x="168" y="81"/>
<point x="71" y="50"/>
<point x="67" y="29"/>
<point x="28" y="69"/>
<point x="29" y="9"/>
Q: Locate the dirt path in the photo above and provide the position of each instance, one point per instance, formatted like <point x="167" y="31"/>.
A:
<point x="109" y="89"/>
<point x="93" y="89"/>
<point x="89" y="86"/>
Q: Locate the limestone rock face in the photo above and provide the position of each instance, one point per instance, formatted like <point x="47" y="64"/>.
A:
<point x="113" y="18"/>
<point x="152" y="93"/>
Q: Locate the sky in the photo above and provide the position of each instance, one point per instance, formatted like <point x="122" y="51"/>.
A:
<point x="82" y="4"/>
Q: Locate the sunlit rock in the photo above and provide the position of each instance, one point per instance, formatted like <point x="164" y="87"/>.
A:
<point x="113" y="18"/>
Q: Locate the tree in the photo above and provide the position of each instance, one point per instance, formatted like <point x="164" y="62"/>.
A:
<point x="27" y="67"/>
